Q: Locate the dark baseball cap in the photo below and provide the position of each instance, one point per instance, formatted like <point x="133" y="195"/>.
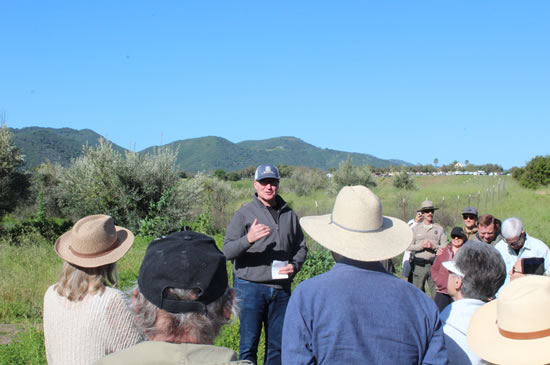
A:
<point x="266" y="171"/>
<point x="470" y="210"/>
<point x="457" y="231"/>
<point x="183" y="260"/>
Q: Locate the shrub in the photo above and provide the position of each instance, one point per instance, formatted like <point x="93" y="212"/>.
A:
<point x="404" y="181"/>
<point x="14" y="232"/>
<point x="217" y="197"/>
<point x="536" y="173"/>
<point x="305" y="181"/>
<point x="136" y="190"/>
<point x="318" y="261"/>
<point x="349" y="175"/>
<point x="14" y="184"/>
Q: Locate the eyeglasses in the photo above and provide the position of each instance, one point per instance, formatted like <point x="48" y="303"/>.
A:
<point x="516" y="242"/>
<point x="469" y="216"/>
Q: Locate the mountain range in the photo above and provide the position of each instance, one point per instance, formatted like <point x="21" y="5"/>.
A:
<point x="61" y="145"/>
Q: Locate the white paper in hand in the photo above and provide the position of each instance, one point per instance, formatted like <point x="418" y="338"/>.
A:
<point x="275" y="267"/>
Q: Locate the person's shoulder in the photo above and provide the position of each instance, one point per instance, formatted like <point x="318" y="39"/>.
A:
<point x="113" y="293"/>
<point x="438" y="227"/>
<point x="50" y="294"/>
<point x="536" y="241"/>
<point x="417" y="227"/>
<point x="314" y="283"/>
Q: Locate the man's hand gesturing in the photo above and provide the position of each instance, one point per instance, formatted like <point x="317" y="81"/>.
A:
<point x="257" y="231"/>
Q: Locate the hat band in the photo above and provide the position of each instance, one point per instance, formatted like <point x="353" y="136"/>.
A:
<point x="351" y="229"/>
<point x="524" y="335"/>
<point x="95" y="254"/>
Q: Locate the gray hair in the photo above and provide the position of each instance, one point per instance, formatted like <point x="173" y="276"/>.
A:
<point x="204" y="328"/>
<point x="512" y="227"/>
<point x="484" y="270"/>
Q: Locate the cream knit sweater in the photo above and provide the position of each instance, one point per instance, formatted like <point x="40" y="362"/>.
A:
<point x="83" y="332"/>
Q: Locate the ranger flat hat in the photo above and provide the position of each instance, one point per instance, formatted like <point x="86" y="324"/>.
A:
<point x="427" y="205"/>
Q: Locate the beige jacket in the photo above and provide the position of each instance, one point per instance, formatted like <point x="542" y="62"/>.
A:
<point x="158" y="352"/>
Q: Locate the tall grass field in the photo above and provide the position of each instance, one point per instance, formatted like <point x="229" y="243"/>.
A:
<point x="29" y="268"/>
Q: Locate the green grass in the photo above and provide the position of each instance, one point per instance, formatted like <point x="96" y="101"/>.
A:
<point x="27" y="271"/>
<point x="27" y="347"/>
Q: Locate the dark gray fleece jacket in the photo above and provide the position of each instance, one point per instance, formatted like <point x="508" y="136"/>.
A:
<point x="285" y="242"/>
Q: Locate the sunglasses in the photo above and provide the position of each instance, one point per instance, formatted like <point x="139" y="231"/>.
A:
<point x="469" y="216"/>
<point x="272" y="182"/>
<point x="428" y="211"/>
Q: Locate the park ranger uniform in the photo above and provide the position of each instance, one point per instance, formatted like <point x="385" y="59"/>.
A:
<point x="423" y="258"/>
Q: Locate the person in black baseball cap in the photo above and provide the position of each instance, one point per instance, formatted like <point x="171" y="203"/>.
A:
<point x="181" y="301"/>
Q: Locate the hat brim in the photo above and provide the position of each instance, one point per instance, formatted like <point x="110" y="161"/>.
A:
<point x="428" y="208"/>
<point x="388" y="241"/>
<point x="125" y="241"/>
<point x="485" y="340"/>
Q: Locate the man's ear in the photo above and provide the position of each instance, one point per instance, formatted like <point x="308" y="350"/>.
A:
<point x="458" y="282"/>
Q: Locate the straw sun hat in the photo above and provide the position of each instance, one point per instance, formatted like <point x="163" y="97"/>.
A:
<point x="357" y="229"/>
<point x="515" y="328"/>
<point x="94" y="241"/>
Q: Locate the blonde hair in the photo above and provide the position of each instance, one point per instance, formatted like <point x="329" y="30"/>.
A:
<point x="76" y="282"/>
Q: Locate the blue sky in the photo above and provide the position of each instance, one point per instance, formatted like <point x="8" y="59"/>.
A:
<point x="412" y="80"/>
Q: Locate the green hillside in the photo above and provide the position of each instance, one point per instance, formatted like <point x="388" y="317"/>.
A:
<point x="209" y="153"/>
<point x="57" y="145"/>
<point x="294" y="151"/>
<point x="195" y="154"/>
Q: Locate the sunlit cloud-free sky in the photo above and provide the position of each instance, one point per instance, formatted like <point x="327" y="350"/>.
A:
<point x="413" y="80"/>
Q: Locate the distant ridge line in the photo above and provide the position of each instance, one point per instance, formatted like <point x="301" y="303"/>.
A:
<point x="61" y="145"/>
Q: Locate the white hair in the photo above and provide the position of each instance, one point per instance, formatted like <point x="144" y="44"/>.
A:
<point x="204" y="327"/>
<point x="512" y="227"/>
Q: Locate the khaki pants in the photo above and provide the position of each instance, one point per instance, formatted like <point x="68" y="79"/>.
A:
<point x="422" y="275"/>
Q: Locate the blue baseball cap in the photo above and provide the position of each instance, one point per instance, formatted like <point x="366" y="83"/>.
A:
<point x="266" y="171"/>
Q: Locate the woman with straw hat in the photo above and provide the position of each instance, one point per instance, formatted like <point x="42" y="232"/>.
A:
<point x="84" y="319"/>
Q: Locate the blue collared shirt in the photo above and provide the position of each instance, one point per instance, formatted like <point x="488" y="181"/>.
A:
<point x="357" y="313"/>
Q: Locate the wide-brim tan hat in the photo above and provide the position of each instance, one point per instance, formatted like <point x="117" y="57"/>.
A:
<point x="357" y="229"/>
<point x="427" y="205"/>
<point x="94" y="241"/>
<point x="515" y="328"/>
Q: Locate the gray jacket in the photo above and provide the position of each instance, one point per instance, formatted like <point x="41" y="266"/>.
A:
<point x="285" y="242"/>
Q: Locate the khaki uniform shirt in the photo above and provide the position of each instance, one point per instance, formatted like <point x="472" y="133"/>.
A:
<point x="434" y="233"/>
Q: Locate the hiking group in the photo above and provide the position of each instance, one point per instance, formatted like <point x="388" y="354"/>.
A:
<point x="489" y="288"/>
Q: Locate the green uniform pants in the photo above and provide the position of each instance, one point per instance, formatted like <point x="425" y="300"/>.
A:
<point x="422" y="275"/>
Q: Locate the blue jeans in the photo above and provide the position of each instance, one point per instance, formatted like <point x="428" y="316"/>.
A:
<point x="261" y="305"/>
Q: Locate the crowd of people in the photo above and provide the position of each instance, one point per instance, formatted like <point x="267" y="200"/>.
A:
<point x="454" y="304"/>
